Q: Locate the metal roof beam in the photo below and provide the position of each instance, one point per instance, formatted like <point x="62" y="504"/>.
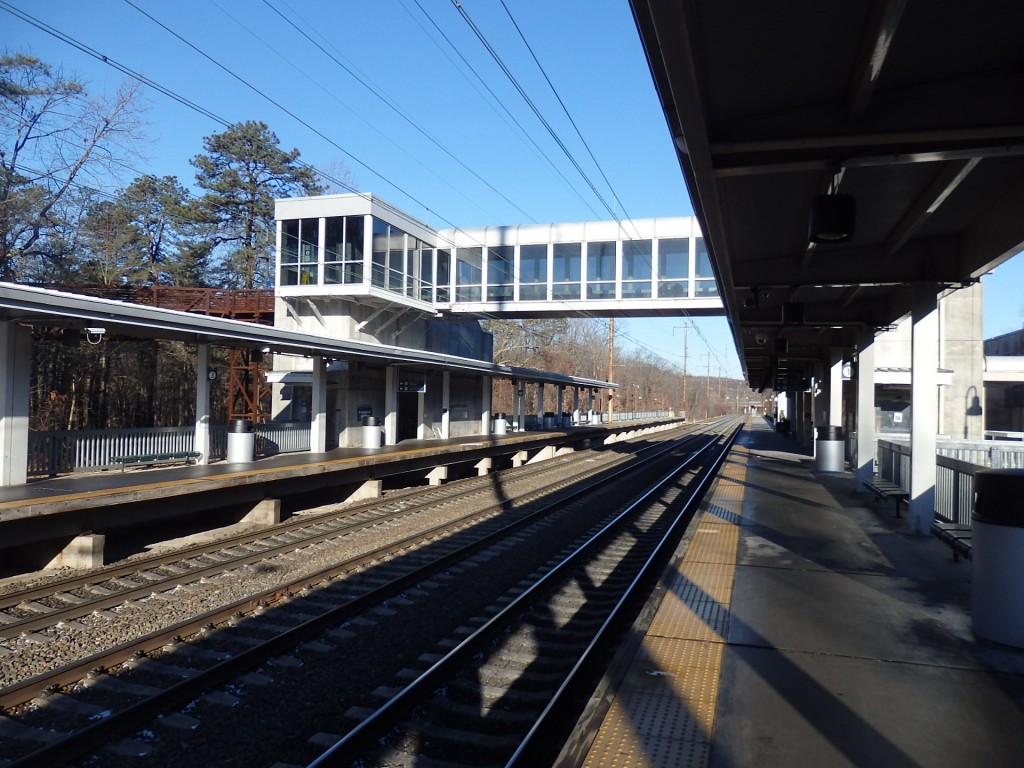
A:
<point x="881" y="29"/>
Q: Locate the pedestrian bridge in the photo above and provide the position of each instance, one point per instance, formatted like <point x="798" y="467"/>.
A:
<point x="359" y="246"/>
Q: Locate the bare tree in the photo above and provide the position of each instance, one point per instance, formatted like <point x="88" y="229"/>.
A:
<point x="53" y="138"/>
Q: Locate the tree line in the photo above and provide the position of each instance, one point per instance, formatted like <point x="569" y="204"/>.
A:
<point x="62" y="149"/>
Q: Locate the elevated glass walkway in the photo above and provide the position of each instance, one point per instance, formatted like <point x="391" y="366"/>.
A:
<point x="359" y="246"/>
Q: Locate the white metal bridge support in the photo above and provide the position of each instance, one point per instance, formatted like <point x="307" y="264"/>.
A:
<point x="16" y="364"/>
<point x="924" y="401"/>
<point x="201" y="442"/>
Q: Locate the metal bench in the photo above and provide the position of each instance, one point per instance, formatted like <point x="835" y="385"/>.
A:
<point x="884" y="489"/>
<point x="152" y="459"/>
<point x="958" y="537"/>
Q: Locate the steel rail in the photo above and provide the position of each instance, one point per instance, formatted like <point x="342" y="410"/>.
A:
<point x="427" y="499"/>
<point x="371" y="728"/>
<point x="19" y="693"/>
<point x="13" y="599"/>
<point x="101" y="732"/>
<point x="534" y="741"/>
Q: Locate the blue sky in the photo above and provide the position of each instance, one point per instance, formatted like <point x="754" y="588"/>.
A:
<point x="423" y="59"/>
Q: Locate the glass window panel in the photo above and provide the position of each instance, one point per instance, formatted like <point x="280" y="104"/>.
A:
<point x="499" y="265"/>
<point x="380" y="253"/>
<point x="703" y="260"/>
<point x="674" y="258"/>
<point x="354" y="238"/>
<point x="334" y="235"/>
<point x="289" y="242"/>
<point x="673" y="289"/>
<point x="534" y="292"/>
<point x="533" y="264"/>
<point x="444" y="261"/>
<point x="289" y="275"/>
<point x="469" y="269"/>
<point x="637" y="256"/>
<point x="309" y="240"/>
<point x="565" y="291"/>
<point x="600" y="290"/>
<point x="499" y="273"/>
<point x="426" y="273"/>
<point x="705" y="288"/>
<point x="636" y="289"/>
<point x="567" y="262"/>
<point x="396" y="259"/>
<point x="600" y="261"/>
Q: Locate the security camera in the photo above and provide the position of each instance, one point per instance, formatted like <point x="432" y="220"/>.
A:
<point x="761" y="339"/>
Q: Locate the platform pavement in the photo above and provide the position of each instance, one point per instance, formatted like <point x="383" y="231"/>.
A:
<point x="805" y="627"/>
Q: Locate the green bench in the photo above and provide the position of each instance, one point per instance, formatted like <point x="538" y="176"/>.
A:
<point x="152" y="459"/>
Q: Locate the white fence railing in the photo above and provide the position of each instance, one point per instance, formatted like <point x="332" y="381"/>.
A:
<point x="62" y="452"/>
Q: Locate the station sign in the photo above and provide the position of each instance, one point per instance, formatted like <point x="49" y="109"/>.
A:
<point x="412" y="385"/>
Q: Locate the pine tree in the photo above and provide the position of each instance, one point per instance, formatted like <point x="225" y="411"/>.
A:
<point x="243" y="171"/>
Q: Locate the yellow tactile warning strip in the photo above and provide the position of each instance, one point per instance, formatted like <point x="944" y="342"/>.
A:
<point x="663" y="713"/>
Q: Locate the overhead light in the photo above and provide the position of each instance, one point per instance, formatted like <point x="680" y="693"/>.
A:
<point x="832" y="218"/>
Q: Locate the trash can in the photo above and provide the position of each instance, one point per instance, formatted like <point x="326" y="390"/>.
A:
<point x="241" y="441"/>
<point x="829" y="449"/>
<point x="549" y="419"/>
<point x="997" y="552"/>
<point x="372" y="435"/>
<point x="500" y="424"/>
<point x="566" y="419"/>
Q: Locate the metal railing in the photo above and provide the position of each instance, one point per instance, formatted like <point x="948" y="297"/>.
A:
<point x="63" y="452"/>
<point x="956" y="463"/>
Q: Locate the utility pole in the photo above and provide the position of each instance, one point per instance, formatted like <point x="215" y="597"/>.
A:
<point x="707" y="387"/>
<point x="611" y="365"/>
<point x="686" y="327"/>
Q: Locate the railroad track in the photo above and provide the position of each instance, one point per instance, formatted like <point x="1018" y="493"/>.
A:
<point x="369" y="581"/>
<point x="508" y="690"/>
<point x="38" y="608"/>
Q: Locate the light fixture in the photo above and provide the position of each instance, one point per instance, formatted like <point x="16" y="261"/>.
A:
<point x="832" y="218"/>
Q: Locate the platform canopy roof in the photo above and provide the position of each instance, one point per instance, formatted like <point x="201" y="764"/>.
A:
<point x="49" y="308"/>
<point x="914" y="108"/>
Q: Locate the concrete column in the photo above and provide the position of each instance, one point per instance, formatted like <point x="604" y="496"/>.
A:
<point x="561" y="407"/>
<point x="201" y="442"/>
<point x="318" y="426"/>
<point x="924" y="401"/>
<point x="590" y="406"/>
<point x="446" y="404"/>
<point x="423" y="430"/>
<point x="797" y="417"/>
<point x="865" y="459"/>
<point x="391" y="405"/>
<point x="576" y="405"/>
<point x="835" y="388"/>
<point x="485" y="406"/>
<point x="16" y="370"/>
<point x="540" y="402"/>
